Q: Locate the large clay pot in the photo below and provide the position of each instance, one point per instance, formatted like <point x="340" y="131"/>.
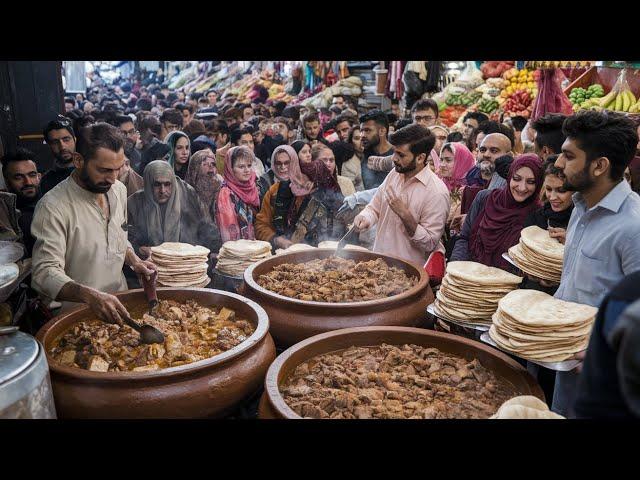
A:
<point x="208" y="388"/>
<point x="293" y="320"/>
<point x="272" y="404"/>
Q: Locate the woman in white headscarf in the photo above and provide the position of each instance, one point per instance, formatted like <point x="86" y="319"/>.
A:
<point x="167" y="210"/>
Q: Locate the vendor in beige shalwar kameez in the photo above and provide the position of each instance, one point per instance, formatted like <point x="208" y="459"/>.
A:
<point x="79" y="226"/>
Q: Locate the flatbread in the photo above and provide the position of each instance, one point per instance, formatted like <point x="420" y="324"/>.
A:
<point x="538" y="240"/>
<point x="480" y="274"/>
<point x="334" y="245"/>
<point x="182" y="250"/>
<point x="532" y="307"/>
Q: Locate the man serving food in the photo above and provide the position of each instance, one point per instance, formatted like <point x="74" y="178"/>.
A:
<point x="80" y="230"/>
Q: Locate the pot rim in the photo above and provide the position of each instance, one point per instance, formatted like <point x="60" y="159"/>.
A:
<point x="277" y="401"/>
<point x="423" y="282"/>
<point x="262" y="329"/>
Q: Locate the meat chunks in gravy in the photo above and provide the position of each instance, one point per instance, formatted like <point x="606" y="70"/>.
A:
<point x="337" y="280"/>
<point x="388" y="381"/>
<point x="192" y="333"/>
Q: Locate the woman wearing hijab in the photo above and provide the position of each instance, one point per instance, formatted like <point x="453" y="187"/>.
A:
<point x="167" y="210"/>
<point x="302" y="208"/>
<point x="238" y="200"/>
<point x="497" y="216"/>
<point x="180" y="150"/>
<point x="454" y="162"/>
<point x="203" y="176"/>
<point x="279" y="171"/>
<point x="303" y="150"/>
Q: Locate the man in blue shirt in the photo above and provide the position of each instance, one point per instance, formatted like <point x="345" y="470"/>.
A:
<point x="603" y="236"/>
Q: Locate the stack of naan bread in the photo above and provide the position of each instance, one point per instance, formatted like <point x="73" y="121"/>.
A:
<point x="236" y="256"/>
<point x="296" y="247"/>
<point x="538" y="254"/>
<point x="537" y="326"/>
<point x="525" y="407"/>
<point x="181" y="264"/>
<point x="470" y="291"/>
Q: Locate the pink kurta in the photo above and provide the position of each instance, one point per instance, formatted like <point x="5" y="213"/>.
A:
<point x="428" y="200"/>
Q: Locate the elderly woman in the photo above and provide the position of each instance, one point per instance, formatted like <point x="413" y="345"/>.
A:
<point x="238" y="200"/>
<point x="203" y="176"/>
<point x="167" y="210"/>
<point x="279" y="171"/>
<point x="180" y="150"/>
<point x="301" y="210"/>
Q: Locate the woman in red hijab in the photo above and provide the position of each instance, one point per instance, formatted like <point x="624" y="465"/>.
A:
<point x="496" y="217"/>
<point x="238" y="200"/>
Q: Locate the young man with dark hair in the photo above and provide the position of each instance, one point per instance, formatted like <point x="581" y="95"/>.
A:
<point x="425" y="112"/>
<point x="131" y="136"/>
<point x="343" y="124"/>
<point x="170" y="121"/>
<point x="212" y="96"/>
<point x="144" y="105"/>
<point x="471" y="121"/>
<point x="338" y="101"/>
<point x="411" y="206"/>
<point x="22" y="179"/>
<point x="603" y="236"/>
<point x="374" y="127"/>
<point x="549" y="135"/>
<point x="61" y="139"/>
<point x="395" y="107"/>
<point x="311" y="128"/>
<point x="187" y="112"/>
<point x="69" y="104"/>
<point x="151" y="147"/>
<point x="81" y="230"/>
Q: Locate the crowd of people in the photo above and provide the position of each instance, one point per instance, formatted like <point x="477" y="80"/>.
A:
<point x="137" y="165"/>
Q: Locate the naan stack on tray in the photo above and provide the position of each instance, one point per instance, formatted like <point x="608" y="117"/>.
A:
<point x="536" y="326"/>
<point x="235" y="256"/>
<point x="470" y="291"/>
<point x="538" y="254"/>
<point x="181" y="264"/>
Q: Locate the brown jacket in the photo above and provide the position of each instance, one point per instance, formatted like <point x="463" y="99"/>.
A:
<point x="9" y="228"/>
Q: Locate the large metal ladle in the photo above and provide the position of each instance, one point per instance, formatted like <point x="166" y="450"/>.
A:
<point x="148" y="334"/>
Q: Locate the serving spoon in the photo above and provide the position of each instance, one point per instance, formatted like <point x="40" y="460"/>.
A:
<point x="148" y="334"/>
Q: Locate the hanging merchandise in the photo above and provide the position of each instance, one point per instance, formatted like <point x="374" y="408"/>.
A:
<point x="551" y="98"/>
<point x="433" y="77"/>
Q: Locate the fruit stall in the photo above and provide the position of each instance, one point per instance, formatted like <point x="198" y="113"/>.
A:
<point x="608" y="88"/>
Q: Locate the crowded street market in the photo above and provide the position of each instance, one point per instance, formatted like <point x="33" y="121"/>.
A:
<point x="320" y="240"/>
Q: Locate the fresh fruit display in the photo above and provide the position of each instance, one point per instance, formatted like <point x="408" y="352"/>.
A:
<point x="585" y="98"/>
<point x="519" y="103"/>
<point x="495" y="69"/>
<point x="515" y="80"/>
<point x="619" y="101"/>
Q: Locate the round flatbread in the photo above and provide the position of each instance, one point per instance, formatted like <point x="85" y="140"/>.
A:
<point x="538" y="240"/>
<point x="521" y="412"/>
<point x="480" y="274"/>
<point x="532" y="307"/>
<point x="176" y="249"/>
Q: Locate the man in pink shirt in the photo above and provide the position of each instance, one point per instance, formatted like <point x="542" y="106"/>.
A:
<point x="412" y="204"/>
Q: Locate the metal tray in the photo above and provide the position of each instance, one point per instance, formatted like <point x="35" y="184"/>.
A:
<point x="474" y="326"/>
<point x="565" y="366"/>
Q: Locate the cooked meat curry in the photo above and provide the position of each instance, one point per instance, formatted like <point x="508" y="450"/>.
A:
<point x="337" y="280"/>
<point x="192" y="333"/>
<point x="388" y="381"/>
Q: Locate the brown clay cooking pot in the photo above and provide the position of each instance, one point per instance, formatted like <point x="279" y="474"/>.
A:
<point x="293" y="320"/>
<point x="208" y="388"/>
<point x="272" y="404"/>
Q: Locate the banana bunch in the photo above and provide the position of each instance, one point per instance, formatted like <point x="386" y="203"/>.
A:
<point x="618" y="101"/>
